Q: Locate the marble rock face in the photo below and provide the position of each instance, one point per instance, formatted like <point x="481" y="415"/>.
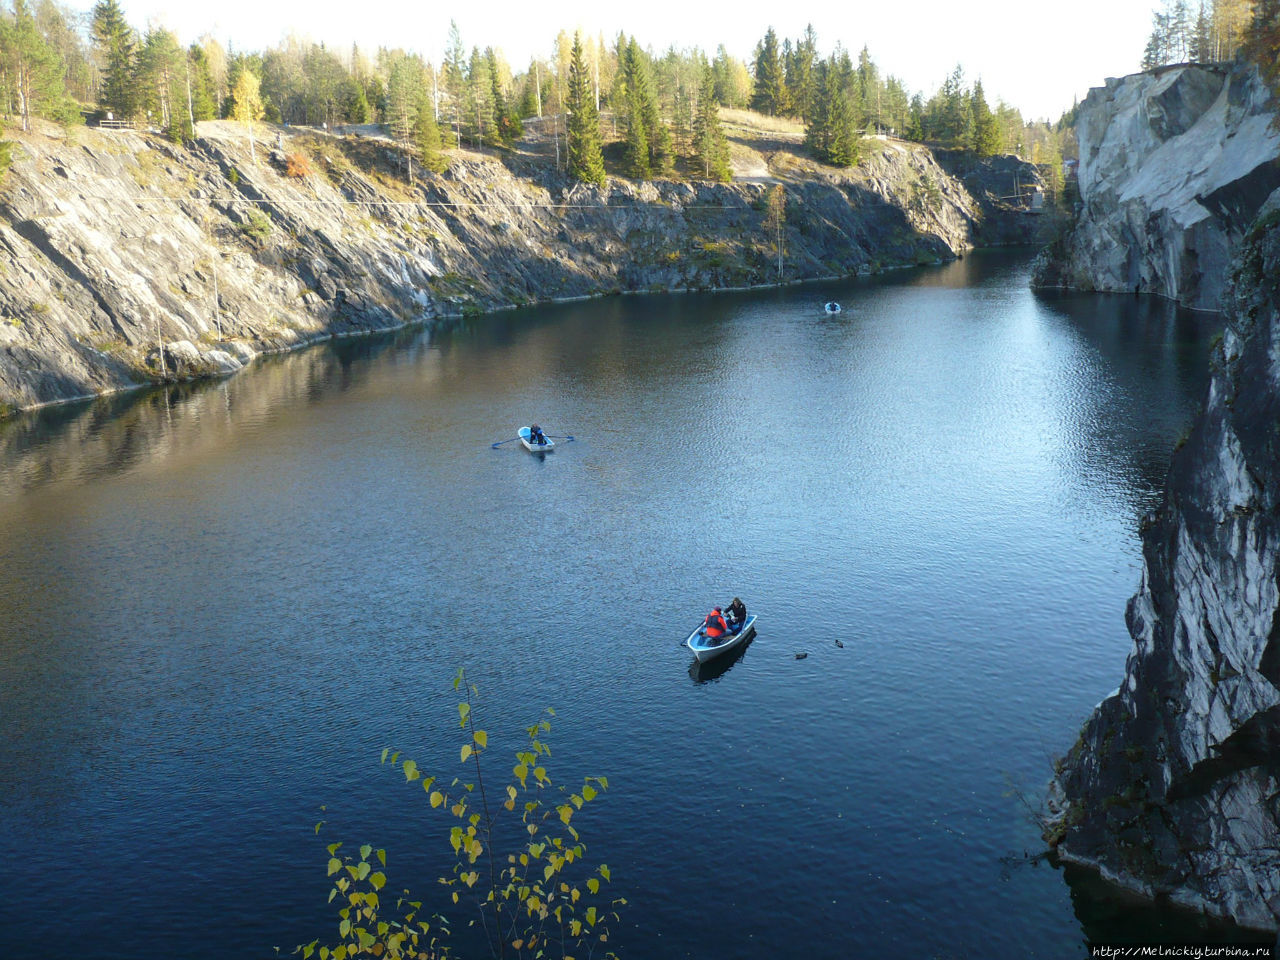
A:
<point x="1174" y="166"/>
<point x="1174" y="785"/>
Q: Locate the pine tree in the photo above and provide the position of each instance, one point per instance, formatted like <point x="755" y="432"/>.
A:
<point x="586" y="161"/>
<point x="455" y="80"/>
<point x="33" y="69"/>
<point x="404" y="94"/>
<point x="710" y="148"/>
<point x="162" y="67"/>
<point x="116" y="49"/>
<point x="479" y="93"/>
<point x="769" y="94"/>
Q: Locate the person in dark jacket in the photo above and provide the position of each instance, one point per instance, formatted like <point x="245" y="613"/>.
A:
<point x="736" y="615"/>
<point x="714" y="626"/>
<point x="538" y="437"/>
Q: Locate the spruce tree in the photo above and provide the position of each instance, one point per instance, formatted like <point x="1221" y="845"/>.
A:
<point x="116" y="48"/>
<point x="203" y="104"/>
<point x="426" y="133"/>
<point x="800" y="74"/>
<point x="843" y="146"/>
<point x="769" y="93"/>
<point x="817" y="133"/>
<point x="635" y="154"/>
<point x="986" y="133"/>
<point x="710" y="148"/>
<point x="586" y="161"/>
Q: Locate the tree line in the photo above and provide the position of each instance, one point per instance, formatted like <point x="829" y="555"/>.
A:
<point x="659" y="113"/>
<point x="1209" y="32"/>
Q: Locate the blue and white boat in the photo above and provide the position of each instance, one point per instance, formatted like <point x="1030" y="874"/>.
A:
<point x="704" y="647"/>
<point x="832" y="307"/>
<point x="535" y="446"/>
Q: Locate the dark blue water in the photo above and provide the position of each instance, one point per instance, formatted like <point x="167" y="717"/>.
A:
<point x="218" y="604"/>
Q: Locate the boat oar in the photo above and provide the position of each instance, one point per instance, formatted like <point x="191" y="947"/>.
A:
<point x="552" y="436"/>
<point x="501" y="442"/>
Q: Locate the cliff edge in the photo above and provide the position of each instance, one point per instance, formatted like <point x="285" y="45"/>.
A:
<point x="1174" y="166"/>
<point x="1173" y="788"/>
<point x="125" y="259"/>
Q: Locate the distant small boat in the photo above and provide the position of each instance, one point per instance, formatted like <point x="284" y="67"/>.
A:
<point x="704" y="647"/>
<point x="534" y="446"/>
<point x="832" y="307"/>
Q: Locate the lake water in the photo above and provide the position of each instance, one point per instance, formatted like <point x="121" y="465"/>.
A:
<point x="219" y="603"/>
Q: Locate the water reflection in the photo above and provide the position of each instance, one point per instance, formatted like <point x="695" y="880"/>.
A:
<point x="712" y="670"/>
<point x="222" y="601"/>
<point x="1110" y="914"/>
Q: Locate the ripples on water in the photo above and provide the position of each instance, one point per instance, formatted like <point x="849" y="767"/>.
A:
<point x="220" y="602"/>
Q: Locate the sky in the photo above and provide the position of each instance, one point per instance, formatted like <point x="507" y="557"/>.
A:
<point x="1038" y="57"/>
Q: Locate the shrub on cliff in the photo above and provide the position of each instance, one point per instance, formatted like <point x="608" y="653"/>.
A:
<point x="297" y="165"/>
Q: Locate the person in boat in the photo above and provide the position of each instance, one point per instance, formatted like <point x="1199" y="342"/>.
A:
<point x="538" y="436"/>
<point x="736" y="615"/>
<point x="714" y="626"/>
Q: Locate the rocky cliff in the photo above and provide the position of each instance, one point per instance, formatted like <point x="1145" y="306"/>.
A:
<point x="113" y="243"/>
<point x="1174" y="786"/>
<point x="1174" y="165"/>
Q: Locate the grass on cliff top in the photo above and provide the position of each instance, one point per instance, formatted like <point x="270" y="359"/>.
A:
<point x="747" y="122"/>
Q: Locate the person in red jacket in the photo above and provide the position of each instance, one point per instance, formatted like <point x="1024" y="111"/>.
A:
<point x="714" y="626"/>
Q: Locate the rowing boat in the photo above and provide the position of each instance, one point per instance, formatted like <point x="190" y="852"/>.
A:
<point x="704" y="647"/>
<point x="533" y="446"/>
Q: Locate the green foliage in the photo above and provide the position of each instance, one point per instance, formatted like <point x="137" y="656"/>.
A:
<point x="710" y="148"/>
<point x="427" y="136"/>
<point x="986" y="132"/>
<point x="648" y="149"/>
<point x="203" y="103"/>
<point x="6" y="155"/>
<point x="1262" y="42"/>
<point x="31" y="71"/>
<point x="586" y="161"/>
<point x="162" y="73"/>
<point x="832" y="133"/>
<point x="769" y="95"/>
<point x="541" y="898"/>
<point x="116" y="46"/>
<point x="257" y="226"/>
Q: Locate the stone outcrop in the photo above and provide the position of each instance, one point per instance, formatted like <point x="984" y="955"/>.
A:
<point x="1174" y="786"/>
<point x="125" y="259"/>
<point x="1174" y="165"/>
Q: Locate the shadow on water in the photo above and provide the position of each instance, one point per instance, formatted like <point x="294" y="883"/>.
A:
<point x="1111" y="915"/>
<point x="96" y="439"/>
<point x="713" y="670"/>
